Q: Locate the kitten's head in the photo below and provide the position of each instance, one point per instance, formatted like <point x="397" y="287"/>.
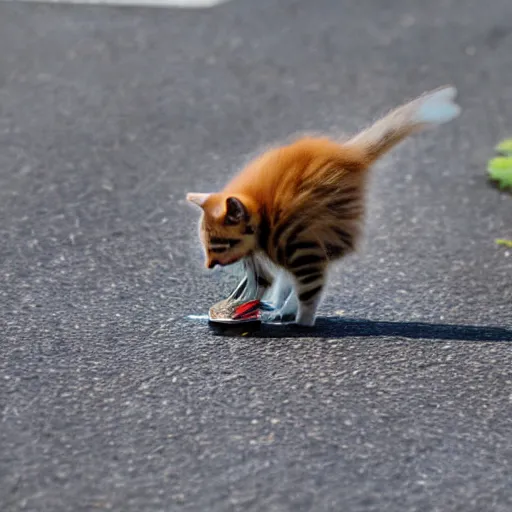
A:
<point x="228" y="227"/>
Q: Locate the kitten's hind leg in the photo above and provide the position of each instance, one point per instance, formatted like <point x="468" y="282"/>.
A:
<point x="310" y="285"/>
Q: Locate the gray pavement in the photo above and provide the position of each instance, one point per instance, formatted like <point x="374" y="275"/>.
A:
<point x="112" y="399"/>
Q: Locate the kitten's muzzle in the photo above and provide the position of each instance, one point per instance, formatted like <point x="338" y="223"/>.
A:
<point x="211" y="264"/>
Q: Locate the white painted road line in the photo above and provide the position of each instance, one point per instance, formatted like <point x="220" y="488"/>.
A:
<point x="185" y="4"/>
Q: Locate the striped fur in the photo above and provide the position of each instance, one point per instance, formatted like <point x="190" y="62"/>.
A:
<point x="301" y="206"/>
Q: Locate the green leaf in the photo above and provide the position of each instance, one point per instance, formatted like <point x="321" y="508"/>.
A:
<point x="502" y="241"/>
<point x="500" y="170"/>
<point x="505" y="147"/>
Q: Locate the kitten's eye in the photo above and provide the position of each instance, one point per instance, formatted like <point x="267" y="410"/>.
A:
<point x="249" y="230"/>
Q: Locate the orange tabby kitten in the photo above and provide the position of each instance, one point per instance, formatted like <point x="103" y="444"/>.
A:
<point x="301" y="206"/>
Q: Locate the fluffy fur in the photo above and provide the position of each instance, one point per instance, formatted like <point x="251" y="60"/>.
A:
<point x="301" y="206"/>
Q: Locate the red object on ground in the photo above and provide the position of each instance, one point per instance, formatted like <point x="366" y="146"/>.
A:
<point x="248" y="311"/>
<point x="229" y="311"/>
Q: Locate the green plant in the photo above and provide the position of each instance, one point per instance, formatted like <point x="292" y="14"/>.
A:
<point x="500" y="167"/>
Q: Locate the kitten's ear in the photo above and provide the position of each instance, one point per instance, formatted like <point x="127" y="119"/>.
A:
<point x="236" y="211"/>
<point x="197" y="199"/>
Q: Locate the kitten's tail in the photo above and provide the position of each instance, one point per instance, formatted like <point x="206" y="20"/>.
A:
<point x="431" y="109"/>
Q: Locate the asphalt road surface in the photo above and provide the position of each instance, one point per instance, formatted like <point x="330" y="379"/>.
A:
<point x="112" y="399"/>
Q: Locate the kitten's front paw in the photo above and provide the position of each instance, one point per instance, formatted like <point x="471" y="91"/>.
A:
<point x="277" y="317"/>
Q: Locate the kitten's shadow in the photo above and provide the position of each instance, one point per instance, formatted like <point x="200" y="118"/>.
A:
<point x="335" y="327"/>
